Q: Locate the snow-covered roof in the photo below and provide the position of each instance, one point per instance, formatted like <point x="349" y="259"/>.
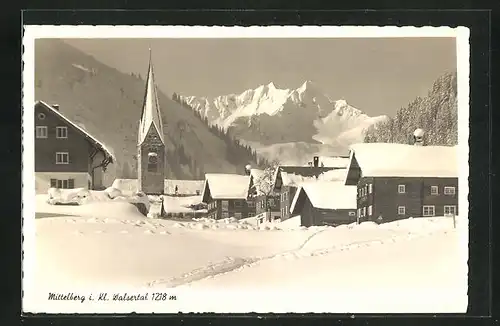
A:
<point x="100" y="145"/>
<point x="292" y="179"/>
<point x="333" y="175"/>
<point x="295" y="175"/>
<point x="256" y="173"/>
<point x="402" y="160"/>
<point x="130" y="185"/>
<point x="151" y="115"/>
<point x="326" y="195"/>
<point x="187" y="187"/>
<point x="181" y="204"/>
<point x="226" y="186"/>
<point x="334" y="161"/>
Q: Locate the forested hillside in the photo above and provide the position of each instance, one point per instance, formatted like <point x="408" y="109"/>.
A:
<point x="436" y="114"/>
<point x="234" y="149"/>
<point x="108" y="103"/>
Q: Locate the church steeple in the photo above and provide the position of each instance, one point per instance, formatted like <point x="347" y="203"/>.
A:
<point x="151" y="155"/>
<point x="150" y="116"/>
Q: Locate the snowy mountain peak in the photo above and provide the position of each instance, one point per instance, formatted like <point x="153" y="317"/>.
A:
<point x="307" y="85"/>
<point x="271" y="85"/>
<point x="270" y="115"/>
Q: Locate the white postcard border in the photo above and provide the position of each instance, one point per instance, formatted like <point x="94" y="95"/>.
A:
<point x="235" y="301"/>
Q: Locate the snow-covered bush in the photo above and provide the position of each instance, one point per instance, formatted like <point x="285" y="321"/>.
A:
<point x="113" y="192"/>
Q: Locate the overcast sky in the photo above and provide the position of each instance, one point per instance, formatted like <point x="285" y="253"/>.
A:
<point x="378" y="76"/>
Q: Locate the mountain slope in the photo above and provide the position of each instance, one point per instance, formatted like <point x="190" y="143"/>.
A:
<point x="268" y="115"/>
<point x="436" y="114"/>
<point x="108" y="104"/>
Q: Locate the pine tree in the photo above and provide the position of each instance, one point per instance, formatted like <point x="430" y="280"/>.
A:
<point x="436" y="114"/>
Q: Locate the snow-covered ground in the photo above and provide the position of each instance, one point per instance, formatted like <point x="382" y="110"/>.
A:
<point x="413" y="265"/>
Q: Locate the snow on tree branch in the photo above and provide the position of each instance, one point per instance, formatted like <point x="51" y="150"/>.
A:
<point x="264" y="179"/>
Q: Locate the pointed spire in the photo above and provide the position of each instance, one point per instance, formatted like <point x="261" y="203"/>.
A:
<point x="150" y="115"/>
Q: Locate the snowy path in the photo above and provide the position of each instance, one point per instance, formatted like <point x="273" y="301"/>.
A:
<point x="225" y="266"/>
<point x="307" y="249"/>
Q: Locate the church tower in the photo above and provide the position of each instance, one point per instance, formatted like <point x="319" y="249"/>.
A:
<point x="150" y="143"/>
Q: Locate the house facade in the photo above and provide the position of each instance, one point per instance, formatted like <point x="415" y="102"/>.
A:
<point x="325" y="203"/>
<point x="272" y="206"/>
<point x="403" y="181"/>
<point x="151" y="154"/>
<point x="66" y="155"/>
<point x="228" y="195"/>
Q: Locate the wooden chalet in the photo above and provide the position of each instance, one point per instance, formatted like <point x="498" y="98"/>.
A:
<point x="228" y="195"/>
<point x="325" y="203"/>
<point x="66" y="155"/>
<point x="396" y="181"/>
<point x="288" y="178"/>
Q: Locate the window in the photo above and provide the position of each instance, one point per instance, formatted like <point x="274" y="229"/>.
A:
<point x="284" y="195"/>
<point x="237" y="204"/>
<point x="434" y="190"/>
<point x="41" y="131"/>
<point x="352" y="213"/>
<point x="401" y="189"/>
<point x="225" y="205"/>
<point x="449" y="190"/>
<point x="359" y="192"/>
<point x="62" y="158"/>
<point x="401" y="210"/>
<point x="62" y="184"/>
<point x="428" y="211"/>
<point x="370" y="210"/>
<point x="450" y="210"/>
<point x="359" y="212"/>
<point x="370" y="188"/>
<point x="41" y="116"/>
<point x="152" y="162"/>
<point x="364" y="211"/>
<point x="237" y="216"/>
<point x="61" y="132"/>
<point x="251" y="203"/>
<point x="197" y="192"/>
<point x="225" y="214"/>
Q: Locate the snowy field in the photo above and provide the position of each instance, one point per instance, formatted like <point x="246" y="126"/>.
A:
<point x="415" y="265"/>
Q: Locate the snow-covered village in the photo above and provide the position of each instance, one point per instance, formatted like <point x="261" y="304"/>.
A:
<point x="278" y="187"/>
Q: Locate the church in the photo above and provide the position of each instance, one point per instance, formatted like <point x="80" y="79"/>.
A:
<point x="151" y="154"/>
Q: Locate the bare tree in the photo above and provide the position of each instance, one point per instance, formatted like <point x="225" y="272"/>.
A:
<point x="263" y="183"/>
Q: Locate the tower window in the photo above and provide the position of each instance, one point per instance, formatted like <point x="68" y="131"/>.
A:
<point x="152" y="162"/>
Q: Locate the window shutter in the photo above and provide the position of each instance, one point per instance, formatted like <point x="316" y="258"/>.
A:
<point x="71" y="183"/>
<point x="53" y="183"/>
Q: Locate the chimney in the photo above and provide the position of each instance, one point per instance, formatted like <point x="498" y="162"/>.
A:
<point x="316" y="161"/>
<point x="56" y="106"/>
<point x="418" y="137"/>
<point x="248" y="167"/>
